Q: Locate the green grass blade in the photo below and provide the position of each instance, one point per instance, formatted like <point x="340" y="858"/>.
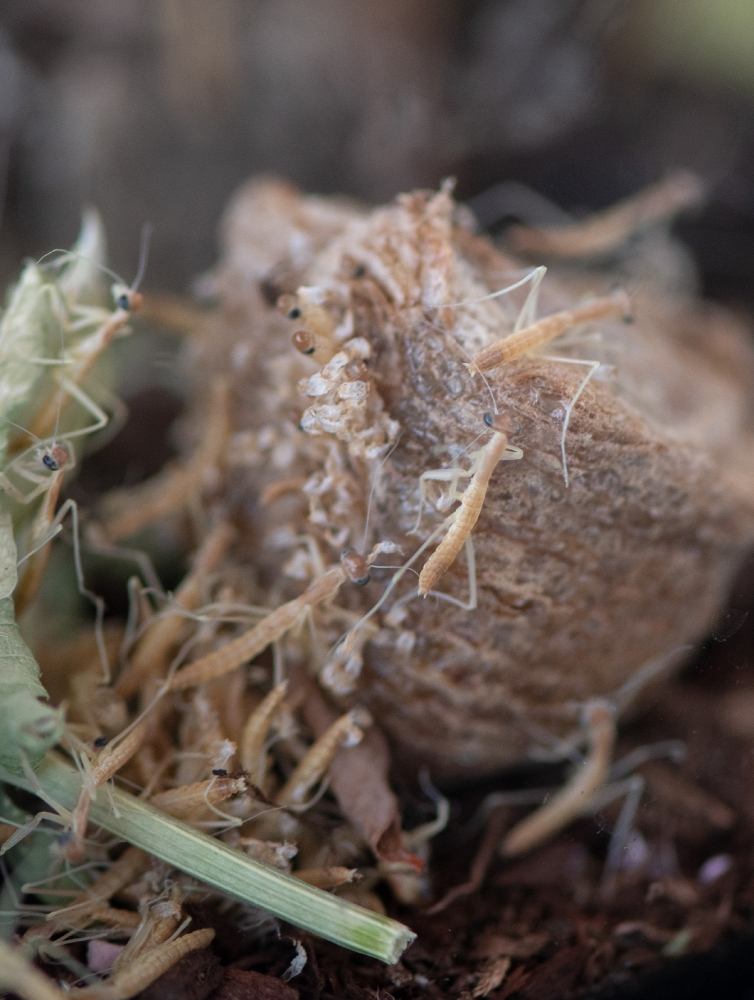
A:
<point x="218" y="865"/>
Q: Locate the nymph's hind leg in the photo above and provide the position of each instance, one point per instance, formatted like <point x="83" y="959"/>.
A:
<point x="43" y="529"/>
<point x="528" y="314"/>
<point x="570" y="802"/>
<point x="593" y="366"/>
<point x="630" y="790"/>
<point x="71" y="507"/>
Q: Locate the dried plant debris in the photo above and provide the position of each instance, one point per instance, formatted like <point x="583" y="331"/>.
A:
<point x="417" y="542"/>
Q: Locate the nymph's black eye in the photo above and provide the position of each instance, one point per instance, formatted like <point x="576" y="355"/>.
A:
<point x="49" y="462"/>
<point x="295" y="313"/>
<point x="359" y="272"/>
<point x="123" y="301"/>
<point x="101" y="741"/>
<point x="220" y="772"/>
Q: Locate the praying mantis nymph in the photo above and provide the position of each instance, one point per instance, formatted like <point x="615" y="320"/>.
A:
<point x="536" y="335"/>
<point x="545" y="330"/>
<point x="27" y="725"/>
<point x="461" y="522"/>
<point x="315" y="338"/>
<point x="273" y="626"/>
<point x="51" y="333"/>
<point x="52" y="330"/>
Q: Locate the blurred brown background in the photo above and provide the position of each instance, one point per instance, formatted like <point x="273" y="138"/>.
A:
<point x="157" y="109"/>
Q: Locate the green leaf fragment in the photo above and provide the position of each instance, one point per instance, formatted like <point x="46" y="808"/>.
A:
<point x="30" y="329"/>
<point x="30" y="860"/>
<point x="26" y="724"/>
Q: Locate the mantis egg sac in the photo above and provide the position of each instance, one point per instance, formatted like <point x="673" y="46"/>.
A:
<point x="557" y="593"/>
